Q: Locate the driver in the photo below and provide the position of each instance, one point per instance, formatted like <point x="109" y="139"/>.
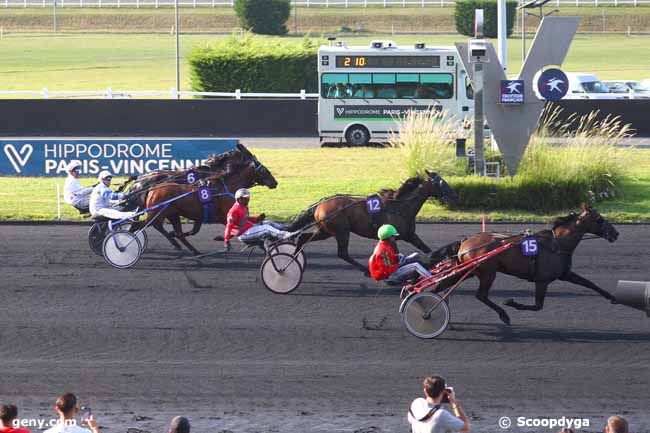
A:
<point x="73" y="193"/>
<point x="240" y="223"/>
<point x="387" y="263"/>
<point x="100" y="199"/>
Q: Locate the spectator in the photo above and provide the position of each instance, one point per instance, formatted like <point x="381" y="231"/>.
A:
<point x="180" y="424"/>
<point x="616" y="424"/>
<point x="8" y="416"/>
<point x="426" y="415"/>
<point x="66" y="407"/>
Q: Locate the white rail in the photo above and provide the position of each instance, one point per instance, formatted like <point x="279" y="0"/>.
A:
<point x="301" y="3"/>
<point x="128" y="94"/>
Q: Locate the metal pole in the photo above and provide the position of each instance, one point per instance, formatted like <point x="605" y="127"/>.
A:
<point x="523" y="36"/>
<point x="502" y="33"/>
<point x="54" y="14"/>
<point x="178" y="72"/>
<point x="479" y="158"/>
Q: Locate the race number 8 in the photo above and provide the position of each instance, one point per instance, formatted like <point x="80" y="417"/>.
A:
<point x="204" y="194"/>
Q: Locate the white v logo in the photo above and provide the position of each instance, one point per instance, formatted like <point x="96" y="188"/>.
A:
<point x="18" y="158"/>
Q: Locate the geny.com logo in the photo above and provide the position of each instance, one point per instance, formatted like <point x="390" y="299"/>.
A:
<point x="42" y="424"/>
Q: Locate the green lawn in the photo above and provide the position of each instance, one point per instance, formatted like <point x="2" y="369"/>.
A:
<point x="306" y="175"/>
<point x="146" y="62"/>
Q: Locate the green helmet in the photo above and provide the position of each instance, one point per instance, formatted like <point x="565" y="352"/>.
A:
<point x="386" y="231"/>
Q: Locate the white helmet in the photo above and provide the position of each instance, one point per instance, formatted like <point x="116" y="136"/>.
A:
<point x="104" y="174"/>
<point x="72" y="165"/>
<point x="242" y="192"/>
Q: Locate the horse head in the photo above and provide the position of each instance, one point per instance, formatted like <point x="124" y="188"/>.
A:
<point x="440" y="189"/>
<point x="263" y="175"/>
<point x="590" y="221"/>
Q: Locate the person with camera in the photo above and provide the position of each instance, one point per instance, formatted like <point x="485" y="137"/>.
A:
<point x="426" y="415"/>
<point x="66" y="408"/>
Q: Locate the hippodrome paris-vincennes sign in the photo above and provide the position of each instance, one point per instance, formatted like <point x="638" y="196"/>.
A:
<point x="49" y="157"/>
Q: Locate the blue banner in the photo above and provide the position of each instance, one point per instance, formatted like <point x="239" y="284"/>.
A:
<point x="49" y="157"/>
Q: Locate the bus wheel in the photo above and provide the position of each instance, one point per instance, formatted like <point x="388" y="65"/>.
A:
<point x="357" y="135"/>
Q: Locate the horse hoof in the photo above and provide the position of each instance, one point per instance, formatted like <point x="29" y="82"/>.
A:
<point x="613" y="301"/>
<point x="505" y="318"/>
<point x="509" y="302"/>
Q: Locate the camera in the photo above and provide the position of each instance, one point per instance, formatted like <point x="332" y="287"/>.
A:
<point x="478" y="51"/>
<point x="448" y="390"/>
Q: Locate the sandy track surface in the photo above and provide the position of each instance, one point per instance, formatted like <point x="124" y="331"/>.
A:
<point x="205" y="339"/>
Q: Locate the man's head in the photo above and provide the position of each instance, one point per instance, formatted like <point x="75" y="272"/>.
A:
<point x="243" y="196"/>
<point x="66" y="405"/>
<point x="8" y="413"/>
<point x="180" y="424"/>
<point x="387" y="232"/>
<point x="434" y="386"/>
<point x="616" y="424"/>
<point x="105" y="177"/>
<point x="73" y="168"/>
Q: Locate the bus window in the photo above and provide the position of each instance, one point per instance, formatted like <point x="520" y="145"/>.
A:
<point x="438" y="86"/>
<point x="407" y="85"/>
<point x="334" y="86"/>
<point x="384" y="86"/>
<point x="361" y="86"/>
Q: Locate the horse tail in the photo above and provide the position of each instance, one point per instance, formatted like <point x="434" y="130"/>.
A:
<point x="303" y="219"/>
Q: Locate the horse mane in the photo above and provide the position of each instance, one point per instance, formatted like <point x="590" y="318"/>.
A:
<point x="561" y="221"/>
<point x="408" y="186"/>
<point x="220" y="160"/>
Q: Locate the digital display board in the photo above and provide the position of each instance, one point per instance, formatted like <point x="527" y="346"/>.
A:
<point x="387" y="61"/>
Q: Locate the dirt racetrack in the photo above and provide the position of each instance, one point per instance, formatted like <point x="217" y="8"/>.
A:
<point x="206" y="340"/>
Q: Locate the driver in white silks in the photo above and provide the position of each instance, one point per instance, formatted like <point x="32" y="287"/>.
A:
<point x="73" y="193"/>
<point x="249" y="228"/>
<point x="100" y="199"/>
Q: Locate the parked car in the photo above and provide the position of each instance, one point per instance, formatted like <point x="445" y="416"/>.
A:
<point x="588" y="86"/>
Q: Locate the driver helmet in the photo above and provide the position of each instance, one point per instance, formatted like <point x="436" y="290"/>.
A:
<point x="242" y="193"/>
<point x="386" y="231"/>
<point x="104" y="174"/>
<point x="72" y="165"/>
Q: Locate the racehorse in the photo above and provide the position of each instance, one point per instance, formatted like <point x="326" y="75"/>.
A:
<point x="223" y="186"/>
<point x="138" y="186"/>
<point x="341" y="215"/>
<point x="555" y="249"/>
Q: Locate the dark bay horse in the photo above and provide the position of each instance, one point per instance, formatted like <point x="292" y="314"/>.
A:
<point x="553" y="260"/>
<point x="137" y="187"/>
<point x="223" y="186"/>
<point x="341" y="215"/>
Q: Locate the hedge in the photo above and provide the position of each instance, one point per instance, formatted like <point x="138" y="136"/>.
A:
<point x="254" y="65"/>
<point x="464" y="16"/>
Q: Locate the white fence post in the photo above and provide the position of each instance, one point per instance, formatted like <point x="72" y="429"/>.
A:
<point x="46" y="94"/>
<point x="58" y="201"/>
<point x="109" y="93"/>
<point x="303" y="94"/>
<point x="238" y="94"/>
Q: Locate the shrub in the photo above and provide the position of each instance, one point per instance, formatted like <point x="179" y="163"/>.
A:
<point x="254" y="64"/>
<point x="587" y="166"/>
<point x="464" y="16"/>
<point x="265" y="17"/>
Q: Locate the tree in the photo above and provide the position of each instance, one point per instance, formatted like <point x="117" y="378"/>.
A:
<point x="265" y="17"/>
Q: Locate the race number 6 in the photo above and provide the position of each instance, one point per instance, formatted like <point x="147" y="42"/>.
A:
<point x="191" y="177"/>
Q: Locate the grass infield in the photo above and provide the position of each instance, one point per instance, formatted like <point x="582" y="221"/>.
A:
<point x="306" y="175"/>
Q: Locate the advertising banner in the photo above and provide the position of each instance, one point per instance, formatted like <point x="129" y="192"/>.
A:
<point x="380" y="112"/>
<point x="120" y="156"/>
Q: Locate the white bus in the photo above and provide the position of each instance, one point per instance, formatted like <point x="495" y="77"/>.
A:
<point x="363" y="90"/>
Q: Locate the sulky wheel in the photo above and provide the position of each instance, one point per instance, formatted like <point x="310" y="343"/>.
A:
<point x="281" y="273"/>
<point x="426" y="315"/>
<point x="141" y="234"/>
<point x="288" y="248"/>
<point x="96" y="236"/>
<point x="122" y="249"/>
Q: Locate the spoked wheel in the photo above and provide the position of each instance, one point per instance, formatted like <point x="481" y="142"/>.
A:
<point x="426" y="315"/>
<point x="281" y="273"/>
<point x="141" y="234"/>
<point x="288" y="248"/>
<point x="96" y="236"/>
<point x="122" y="249"/>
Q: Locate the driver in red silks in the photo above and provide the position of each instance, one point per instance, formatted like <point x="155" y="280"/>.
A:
<point x="249" y="228"/>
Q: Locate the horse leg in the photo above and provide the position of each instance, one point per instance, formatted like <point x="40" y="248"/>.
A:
<point x="158" y="225"/>
<point x="574" y="278"/>
<point x="485" y="283"/>
<point x="418" y="243"/>
<point x="178" y="231"/>
<point x="540" y="294"/>
<point x="195" y="229"/>
<point x="343" y="240"/>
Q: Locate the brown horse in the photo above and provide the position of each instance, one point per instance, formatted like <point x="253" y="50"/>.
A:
<point x="223" y="187"/>
<point x="341" y="215"/>
<point x="553" y="260"/>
